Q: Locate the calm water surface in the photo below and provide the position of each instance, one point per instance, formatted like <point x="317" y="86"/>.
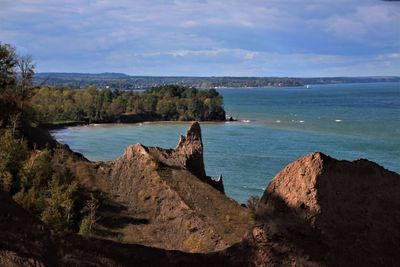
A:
<point x="277" y="125"/>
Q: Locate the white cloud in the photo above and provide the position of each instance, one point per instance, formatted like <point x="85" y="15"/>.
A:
<point x="365" y="23"/>
<point x="255" y="37"/>
<point x="239" y="62"/>
<point x="239" y="53"/>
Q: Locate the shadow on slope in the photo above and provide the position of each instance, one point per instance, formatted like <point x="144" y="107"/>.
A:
<point x="318" y="211"/>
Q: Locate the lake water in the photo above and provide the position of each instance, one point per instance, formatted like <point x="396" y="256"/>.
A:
<point x="277" y="126"/>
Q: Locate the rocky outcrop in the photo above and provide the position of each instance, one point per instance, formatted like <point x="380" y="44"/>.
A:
<point x="167" y="201"/>
<point x="319" y="211"/>
<point x="189" y="151"/>
<point x="188" y="155"/>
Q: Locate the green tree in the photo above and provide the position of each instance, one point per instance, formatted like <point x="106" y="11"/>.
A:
<point x="12" y="154"/>
<point x="150" y="102"/>
<point x="8" y="63"/>
<point x="118" y="105"/>
<point x="60" y="202"/>
<point x="166" y="108"/>
<point x="37" y="170"/>
<point x="90" y="219"/>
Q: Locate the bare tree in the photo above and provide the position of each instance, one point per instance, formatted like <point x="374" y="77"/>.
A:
<point x="26" y="71"/>
<point x="15" y="122"/>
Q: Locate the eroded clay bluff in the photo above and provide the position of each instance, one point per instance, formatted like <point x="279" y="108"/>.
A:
<point x="163" y="198"/>
<point x="26" y="241"/>
<point x="318" y="211"/>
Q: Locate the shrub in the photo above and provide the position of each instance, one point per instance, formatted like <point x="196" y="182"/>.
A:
<point x="60" y="202"/>
<point x="252" y="204"/>
<point x="90" y="219"/>
<point x="85" y="227"/>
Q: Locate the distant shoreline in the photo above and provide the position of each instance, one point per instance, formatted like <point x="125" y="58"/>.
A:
<point x="303" y="86"/>
<point x="126" y="82"/>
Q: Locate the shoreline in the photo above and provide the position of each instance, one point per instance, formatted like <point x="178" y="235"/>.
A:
<point x="60" y="126"/>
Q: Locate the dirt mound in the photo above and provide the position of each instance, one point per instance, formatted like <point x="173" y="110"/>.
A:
<point x="322" y="211"/>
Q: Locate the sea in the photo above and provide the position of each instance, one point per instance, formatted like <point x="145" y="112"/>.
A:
<point x="275" y="126"/>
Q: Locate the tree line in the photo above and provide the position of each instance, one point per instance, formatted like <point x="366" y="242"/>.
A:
<point x="169" y="102"/>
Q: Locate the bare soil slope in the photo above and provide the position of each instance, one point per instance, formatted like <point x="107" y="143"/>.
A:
<point x="322" y="211"/>
<point x="163" y="198"/>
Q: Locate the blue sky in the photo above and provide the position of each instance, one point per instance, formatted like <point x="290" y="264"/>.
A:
<point x="207" y="38"/>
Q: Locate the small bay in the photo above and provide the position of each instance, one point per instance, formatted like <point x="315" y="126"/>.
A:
<point x="275" y="127"/>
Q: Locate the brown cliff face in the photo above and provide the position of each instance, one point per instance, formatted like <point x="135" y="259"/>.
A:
<point x="188" y="155"/>
<point x="325" y="212"/>
<point x="165" y="200"/>
<point x="189" y="151"/>
<point x="318" y="211"/>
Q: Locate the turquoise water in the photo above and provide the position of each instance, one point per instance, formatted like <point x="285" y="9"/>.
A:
<point x="277" y="125"/>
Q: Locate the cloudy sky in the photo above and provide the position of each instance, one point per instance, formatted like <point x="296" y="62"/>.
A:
<point x="207" y="38"/>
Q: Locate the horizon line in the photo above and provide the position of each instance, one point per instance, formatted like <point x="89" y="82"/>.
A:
<point x="223" y="76"/>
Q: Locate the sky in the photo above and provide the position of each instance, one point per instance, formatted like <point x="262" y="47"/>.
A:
<point x="296" y="38"/>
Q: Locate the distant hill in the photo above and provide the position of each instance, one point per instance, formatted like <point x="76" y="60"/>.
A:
<point x="81" y="75"/>
<point x="125" y="82"/>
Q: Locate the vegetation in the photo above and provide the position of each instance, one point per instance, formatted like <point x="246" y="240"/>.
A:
<point x="168" y="102"/>
<point x="16" y="76"/>
<point x="41" y="181"/>
<point x="12" y="154"/>
<point x="90" y="219"/>
<point x="252" y="204"/>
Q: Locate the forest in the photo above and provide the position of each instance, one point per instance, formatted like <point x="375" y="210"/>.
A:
<point x="169" y="102"/>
